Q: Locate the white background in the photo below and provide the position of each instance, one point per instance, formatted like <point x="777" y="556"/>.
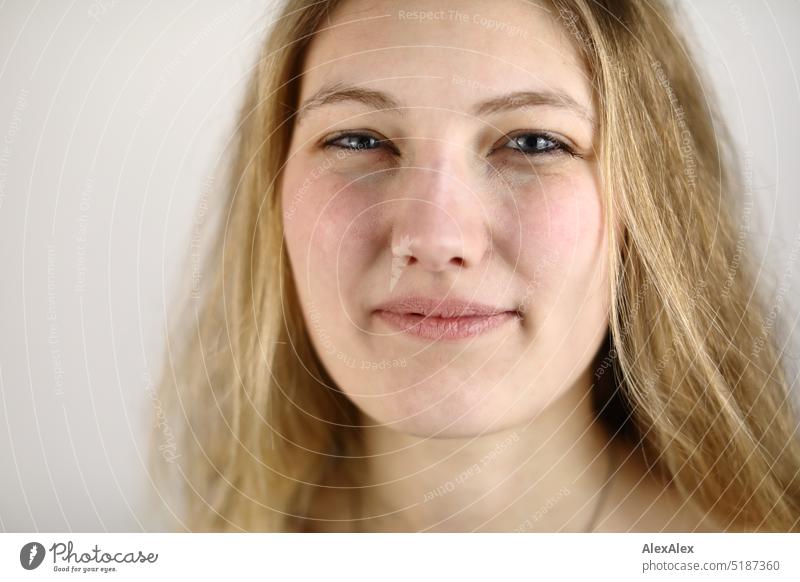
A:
<point x="113" y="117"/>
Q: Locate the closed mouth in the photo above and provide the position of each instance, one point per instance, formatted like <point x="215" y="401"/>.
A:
<point x="432" y="318"/>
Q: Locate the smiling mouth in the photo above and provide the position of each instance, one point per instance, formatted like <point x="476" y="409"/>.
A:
<point x="446" y="328"/>
<point x="444" y="317"/>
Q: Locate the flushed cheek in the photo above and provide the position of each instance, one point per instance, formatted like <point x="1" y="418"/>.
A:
<point x="333" y="230"/>
<point x="560" y="231"/>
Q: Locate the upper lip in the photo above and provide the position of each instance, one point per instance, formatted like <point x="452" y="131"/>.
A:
<point x="446" y="307"/>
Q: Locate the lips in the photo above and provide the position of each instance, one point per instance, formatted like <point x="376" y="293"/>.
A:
<point x="443" y="318"/>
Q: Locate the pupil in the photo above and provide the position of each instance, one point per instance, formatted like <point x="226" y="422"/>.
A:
<point x="360" y="143"/>
<point x="540" y="143"/>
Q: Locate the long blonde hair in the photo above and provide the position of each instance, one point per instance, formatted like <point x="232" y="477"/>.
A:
<point x="689" y="370"/>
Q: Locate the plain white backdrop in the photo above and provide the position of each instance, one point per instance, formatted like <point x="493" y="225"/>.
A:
<point x="113" y="119"/>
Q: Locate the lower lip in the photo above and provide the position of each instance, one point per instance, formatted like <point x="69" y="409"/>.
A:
<point x="448" y="328"/>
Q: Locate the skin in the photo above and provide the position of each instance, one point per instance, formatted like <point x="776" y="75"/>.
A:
<point x="475" y="217"/>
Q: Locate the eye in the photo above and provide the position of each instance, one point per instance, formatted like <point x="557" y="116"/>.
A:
<point x="527" y="143"/>
<point x="537" y="143"/>
<point x="353" y="142"/>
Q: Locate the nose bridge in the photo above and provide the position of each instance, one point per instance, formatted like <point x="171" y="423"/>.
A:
<point x="439" y="221"/>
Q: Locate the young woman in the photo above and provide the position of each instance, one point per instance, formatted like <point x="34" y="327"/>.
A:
<point x="479" y="271"/>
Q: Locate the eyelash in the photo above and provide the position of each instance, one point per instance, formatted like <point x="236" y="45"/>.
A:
<point x="558" y="146"/>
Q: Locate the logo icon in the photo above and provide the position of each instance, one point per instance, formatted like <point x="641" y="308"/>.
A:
<point x="31" y="555"/>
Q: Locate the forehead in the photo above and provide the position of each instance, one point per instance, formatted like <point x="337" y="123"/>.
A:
<point x="428" y="52"/>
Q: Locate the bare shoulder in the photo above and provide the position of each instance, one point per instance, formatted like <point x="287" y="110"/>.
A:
<point x="639" y="501"/>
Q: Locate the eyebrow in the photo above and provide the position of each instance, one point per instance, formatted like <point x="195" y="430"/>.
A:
<point x="339" y="92"/>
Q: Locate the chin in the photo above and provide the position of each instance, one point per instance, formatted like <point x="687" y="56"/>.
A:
<point x="449" y="418"/>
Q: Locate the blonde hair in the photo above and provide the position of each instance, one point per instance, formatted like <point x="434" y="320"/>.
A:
<point x="688" y="371"/>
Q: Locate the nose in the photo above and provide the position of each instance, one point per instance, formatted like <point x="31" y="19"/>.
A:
<point x="439" y="222"/>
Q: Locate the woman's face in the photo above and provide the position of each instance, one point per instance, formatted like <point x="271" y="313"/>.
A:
<point x="448" y="244"/>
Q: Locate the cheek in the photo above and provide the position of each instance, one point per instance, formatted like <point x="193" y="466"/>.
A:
<point x="330" y="225"/>
<point x="561" y="232"/>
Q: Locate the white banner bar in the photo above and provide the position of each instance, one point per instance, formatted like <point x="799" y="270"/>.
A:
<point x="387" y="557"/>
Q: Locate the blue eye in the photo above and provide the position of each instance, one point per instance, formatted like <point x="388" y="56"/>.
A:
<point x="355" y="142"/>
<point x="532" y="144"/>
<point x="528" y="144"/>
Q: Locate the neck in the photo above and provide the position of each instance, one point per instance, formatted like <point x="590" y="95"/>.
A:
<point x="547" y="475"/>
